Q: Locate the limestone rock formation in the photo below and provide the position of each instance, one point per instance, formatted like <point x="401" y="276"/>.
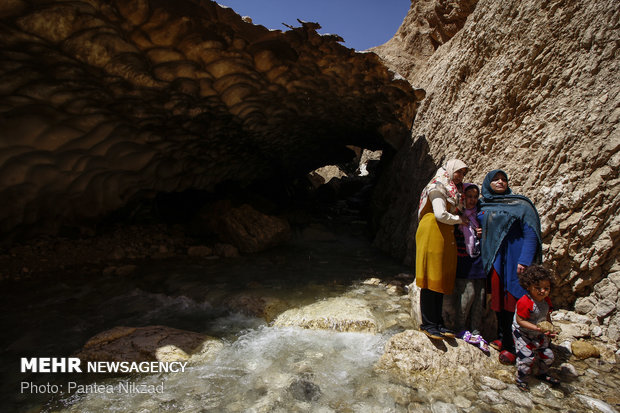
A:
<point x="413" y="359"/>
<point x="151" y="343"/>
<point x="244" y="227"/>
<point x="337" y="313"/>
<point x="428" y="25"/>
<point x="532" y="87"/>
<point x="103" y="103"/>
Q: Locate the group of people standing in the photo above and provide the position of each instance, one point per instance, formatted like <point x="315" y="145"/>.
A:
<point x="467" y="247"/>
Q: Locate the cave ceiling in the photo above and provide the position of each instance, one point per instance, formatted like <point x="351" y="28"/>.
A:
<point x="103" y="102"/>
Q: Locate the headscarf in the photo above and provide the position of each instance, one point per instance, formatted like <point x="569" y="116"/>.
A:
<point x="501" y="211"/>
<point x="442" y="181"/>
<point x="472" y="244"/>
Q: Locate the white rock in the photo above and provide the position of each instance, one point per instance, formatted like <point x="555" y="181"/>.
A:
<point x="596" y="404"/>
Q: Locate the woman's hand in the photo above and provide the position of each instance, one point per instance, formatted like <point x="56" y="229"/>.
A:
<point x="479" y="232"/>
<point x="521" y="268"/>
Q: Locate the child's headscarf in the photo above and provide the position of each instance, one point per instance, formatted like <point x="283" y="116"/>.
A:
<point x="442" y="181"/>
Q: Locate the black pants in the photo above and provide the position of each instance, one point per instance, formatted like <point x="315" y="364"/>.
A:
<point x="504" y="330"/>
<point x="431" y="303"/>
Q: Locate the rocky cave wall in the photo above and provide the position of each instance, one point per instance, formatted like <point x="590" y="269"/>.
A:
<point x="532" y="87"/>
<point x="106" y="102"/>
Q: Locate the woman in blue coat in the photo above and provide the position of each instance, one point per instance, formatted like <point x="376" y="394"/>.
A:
<point x="511" y="241"/>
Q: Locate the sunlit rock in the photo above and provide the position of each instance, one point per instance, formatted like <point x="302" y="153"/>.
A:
<point x="152" y="343"/>
<point x="413" y="359"/>
<point x="337" y="313"/>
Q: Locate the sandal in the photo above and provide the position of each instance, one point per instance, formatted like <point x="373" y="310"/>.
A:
<point x="432" y="333"/>
<point x="549" y="379"/>
<point x="482" y="343"/>
<point x="523" y="386"/>
<point x="446" y="332"/>
<point x="506" y="357"/>
<point x="496" y="344"/>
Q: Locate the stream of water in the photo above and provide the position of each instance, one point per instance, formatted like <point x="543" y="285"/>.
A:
<point x="261" y="368"/>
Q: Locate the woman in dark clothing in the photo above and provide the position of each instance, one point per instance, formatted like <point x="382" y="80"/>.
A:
<point x="511" y="241"/>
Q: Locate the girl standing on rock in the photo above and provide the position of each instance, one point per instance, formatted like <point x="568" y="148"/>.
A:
<point x="511" y="241"/>
<point x="435" y="245"/>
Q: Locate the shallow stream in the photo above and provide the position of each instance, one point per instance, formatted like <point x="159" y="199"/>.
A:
<point x="261" y="368"/>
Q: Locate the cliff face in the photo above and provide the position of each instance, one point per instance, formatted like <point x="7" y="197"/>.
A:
<point x="532" y="87"/>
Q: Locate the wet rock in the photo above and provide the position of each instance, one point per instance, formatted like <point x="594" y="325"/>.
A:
<point x="337" y="313"/>
<point x="267" y="308"/>
<point x="152" y="343"/>
<point x="583" y="350"/>
<point x="304" y="390"/>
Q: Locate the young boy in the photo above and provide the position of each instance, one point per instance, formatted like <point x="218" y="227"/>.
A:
<point x="530" y="341"/>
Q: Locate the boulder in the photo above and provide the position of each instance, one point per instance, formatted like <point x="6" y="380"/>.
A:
<point x="151" y="343"/>
<point x="411" y="358"/>
<point x="244" y="227"/>
<point x="336" y="313"/>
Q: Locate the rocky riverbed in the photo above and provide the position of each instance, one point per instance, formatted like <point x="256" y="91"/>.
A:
<point x="322" y="323"/>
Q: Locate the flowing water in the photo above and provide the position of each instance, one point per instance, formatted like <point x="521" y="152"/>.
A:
<point x="259" y="365"/>
<point x="261" y="368"/>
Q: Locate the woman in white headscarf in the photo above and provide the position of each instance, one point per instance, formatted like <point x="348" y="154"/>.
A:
<point x="438" y="212"/>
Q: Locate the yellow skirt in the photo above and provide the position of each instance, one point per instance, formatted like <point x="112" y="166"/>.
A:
<point x="435" y="258"/>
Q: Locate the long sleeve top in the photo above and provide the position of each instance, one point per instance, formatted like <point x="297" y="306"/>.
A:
<point x="440" y="211"/>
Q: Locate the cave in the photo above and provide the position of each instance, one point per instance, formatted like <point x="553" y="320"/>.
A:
<point x="134" y="113"/>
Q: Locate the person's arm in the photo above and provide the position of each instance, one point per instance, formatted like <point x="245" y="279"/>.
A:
<point x="522" y="313"/>
<point x="526" y="324"/>
<point x="439" y="209"/>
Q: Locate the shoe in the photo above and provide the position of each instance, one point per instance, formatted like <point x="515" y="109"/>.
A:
<point x="549" y="379"/>
<point x="432" y="332"/>
<point x="446" y="332"/>
<point x="523" y="386"/>
<point x="506" y="357"/>
<point x="482" y="343"/>
<point x="496" y="344"/>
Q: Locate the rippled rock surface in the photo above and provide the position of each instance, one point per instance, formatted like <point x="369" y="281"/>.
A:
<point x="104" y="103"/>
<point x="531" y="87"/>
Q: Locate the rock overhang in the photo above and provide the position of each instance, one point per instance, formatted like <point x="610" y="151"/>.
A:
<point x="105" y="102"/>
